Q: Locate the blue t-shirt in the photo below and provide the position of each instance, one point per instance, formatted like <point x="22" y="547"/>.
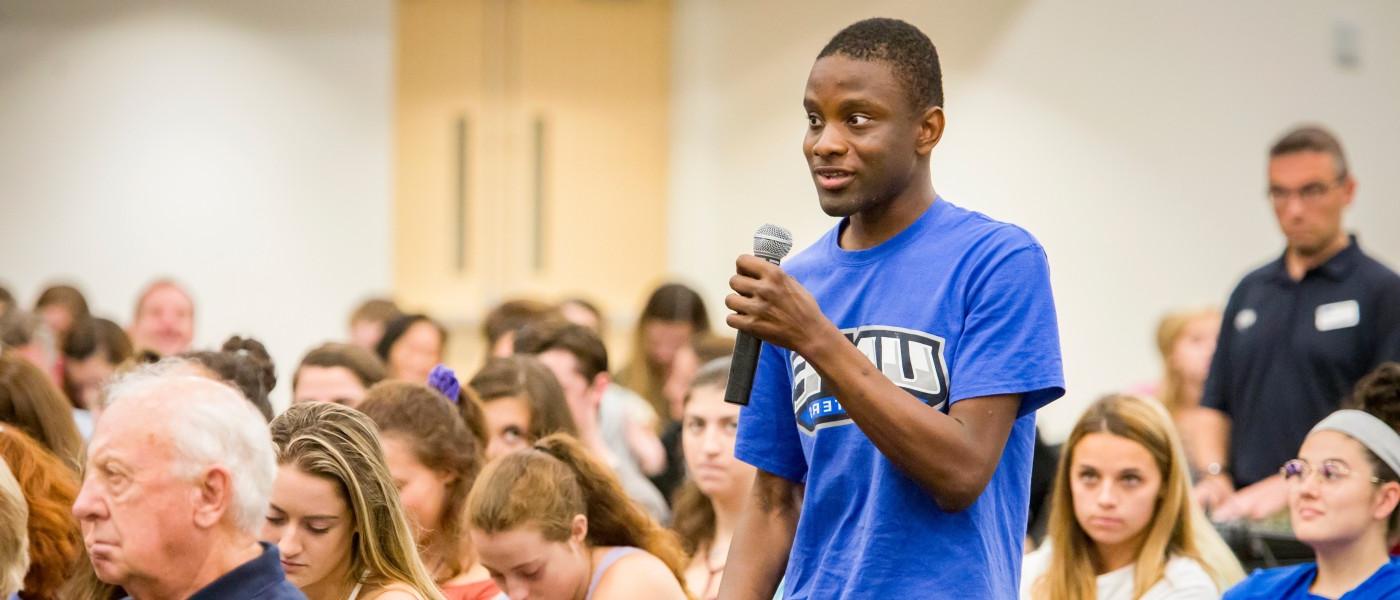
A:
<point x="955" y="306"/>
<point x="1289" y="583"/>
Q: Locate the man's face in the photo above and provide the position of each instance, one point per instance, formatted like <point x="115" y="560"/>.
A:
<point x="861" y="141"/>
<point x="137" y="517"/>
<point x="581" y="395"/>
<point x="1308" y="199"/>
<point x="164" y="321"/>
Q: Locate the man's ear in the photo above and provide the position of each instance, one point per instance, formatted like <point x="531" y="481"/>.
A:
<point x="213" y="496"/>
<point x="931" y="126"/>
<point x="598" y="387"/>
<point x="1349" y="188"/>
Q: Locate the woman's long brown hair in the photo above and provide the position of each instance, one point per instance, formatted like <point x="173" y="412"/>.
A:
<point x="1177" y="527"/>
<point x="553" y="482"/>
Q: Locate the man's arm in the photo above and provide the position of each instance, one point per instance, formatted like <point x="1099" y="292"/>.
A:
<point x="1212" y="439"/>
<point x="952" y="456"/>
<point x="762" y="540"/>
<point x="1258" y="500"/>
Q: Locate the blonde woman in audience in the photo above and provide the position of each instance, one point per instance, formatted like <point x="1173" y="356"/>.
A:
<point x="707" y="507"/>
<point x="551" y="522"/>
<point x="335" y="515"/>
<point x="523" y="403"/>
<point x="1186" y="343"/>
<point x="1122" y="524"/>
<point x="434" y="458"/>
<point x="14" y="537"/>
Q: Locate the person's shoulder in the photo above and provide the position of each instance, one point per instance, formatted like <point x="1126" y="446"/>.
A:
<point x="1186" y="573"/>
<point x="983" y="230"/>
<point x="1260" y="273"/>
<point x="814" y="256"/>
<point x="1269" y="583"/>
<point x="1034" y="565"/>
<point x="638" y="575"/>
<point x="1378" y="272"/>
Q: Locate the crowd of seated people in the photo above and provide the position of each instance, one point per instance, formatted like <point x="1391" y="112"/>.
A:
<point x="544" y="472"/>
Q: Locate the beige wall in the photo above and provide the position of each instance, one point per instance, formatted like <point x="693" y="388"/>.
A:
<point x="1128" y="136"/>
<point x="241" y="147"/>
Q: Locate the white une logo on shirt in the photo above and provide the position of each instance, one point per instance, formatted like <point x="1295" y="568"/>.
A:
<point x="1337" y="315"/>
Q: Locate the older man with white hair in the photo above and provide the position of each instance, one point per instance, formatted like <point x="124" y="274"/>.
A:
<point x="179" y="471"/>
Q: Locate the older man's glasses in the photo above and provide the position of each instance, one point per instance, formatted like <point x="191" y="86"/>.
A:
<point x="1309" y="193"/>
<point x="1331" y="471"/>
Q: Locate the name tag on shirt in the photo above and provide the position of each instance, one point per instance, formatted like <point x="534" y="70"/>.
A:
<point x="1337" y="315"/>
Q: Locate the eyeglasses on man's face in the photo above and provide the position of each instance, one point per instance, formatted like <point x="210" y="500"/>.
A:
<point x="1309" y="193"/>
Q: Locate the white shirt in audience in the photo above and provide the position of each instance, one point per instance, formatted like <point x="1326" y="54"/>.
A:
<point x="1184" y="579"/>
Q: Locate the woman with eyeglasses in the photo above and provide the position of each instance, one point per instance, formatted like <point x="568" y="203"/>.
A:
<point x="1342" y="498"/>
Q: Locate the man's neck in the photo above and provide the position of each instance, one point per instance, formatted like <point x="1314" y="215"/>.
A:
<point x="218" y="561"/>
<point x="1299" y="264"/>
<point x="875" y="226"/>
<point x="1341" y="569"/>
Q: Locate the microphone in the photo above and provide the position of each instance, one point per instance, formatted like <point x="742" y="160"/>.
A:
<point x="770" y="243"/>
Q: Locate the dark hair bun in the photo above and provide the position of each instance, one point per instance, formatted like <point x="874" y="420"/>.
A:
<point x="1378" y="393"/>
<point x="255" y="352"/>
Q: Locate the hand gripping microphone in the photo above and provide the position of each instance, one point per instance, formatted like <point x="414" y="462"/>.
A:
<point x="770" y="243"/>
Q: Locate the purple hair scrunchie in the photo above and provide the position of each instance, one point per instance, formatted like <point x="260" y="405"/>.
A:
<point x="444" y="380"/>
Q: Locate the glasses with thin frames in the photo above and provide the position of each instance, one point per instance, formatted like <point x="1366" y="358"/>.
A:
<point x="1332" y="471"/>
<point x="1309" y="193"/>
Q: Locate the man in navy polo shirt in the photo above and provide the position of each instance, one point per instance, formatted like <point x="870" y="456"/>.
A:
<point x="176" y="489"/>
<point x="1297" y="332"/>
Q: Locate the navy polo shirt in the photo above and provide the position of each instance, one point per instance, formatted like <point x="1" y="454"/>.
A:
<point x="1290" y="351"/>
<point x="260" y="578"/>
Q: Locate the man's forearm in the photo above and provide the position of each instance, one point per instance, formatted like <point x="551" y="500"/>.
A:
<point x="952" y="456"/>
<point x="1212" y="438"/>
<point x="759" y="552"/>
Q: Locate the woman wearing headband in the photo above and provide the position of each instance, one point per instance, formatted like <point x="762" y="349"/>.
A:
<point x="1342" y="497"/>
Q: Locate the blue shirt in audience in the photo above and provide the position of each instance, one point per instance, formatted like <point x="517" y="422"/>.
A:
<point x="956" y="306"/>
<point x="260" y="578"/>
<point x="1290" y="583"/>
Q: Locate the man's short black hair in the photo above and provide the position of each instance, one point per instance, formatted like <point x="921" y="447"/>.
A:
<point x="908" y="52"/>
<point x="1312" y="138"/>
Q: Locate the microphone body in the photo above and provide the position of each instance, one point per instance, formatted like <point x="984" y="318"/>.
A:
<point x="770" y="243"/>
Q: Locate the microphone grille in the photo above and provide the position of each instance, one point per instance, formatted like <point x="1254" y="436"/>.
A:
<point x="772" y="242"/>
